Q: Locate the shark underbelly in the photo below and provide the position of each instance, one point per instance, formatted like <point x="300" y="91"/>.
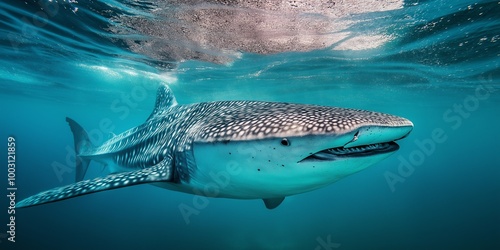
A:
<point x="255" y="171"/>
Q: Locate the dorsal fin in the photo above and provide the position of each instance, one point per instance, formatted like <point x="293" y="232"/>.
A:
<point x="82" y="145"/>
<point x="164" y="99"/>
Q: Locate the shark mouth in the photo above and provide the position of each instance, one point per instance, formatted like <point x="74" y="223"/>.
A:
<point x="338" y="153"/>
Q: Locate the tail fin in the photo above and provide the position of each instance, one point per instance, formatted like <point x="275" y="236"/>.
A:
<point x="82" y="144"/>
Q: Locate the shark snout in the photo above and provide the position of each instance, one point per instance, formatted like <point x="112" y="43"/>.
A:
<point x="367" y="135"/>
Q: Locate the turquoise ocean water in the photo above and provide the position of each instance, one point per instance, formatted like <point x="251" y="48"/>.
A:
<point x="434" y="62"/>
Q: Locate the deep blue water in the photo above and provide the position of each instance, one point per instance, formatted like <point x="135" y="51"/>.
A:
<point x="99" y="62"/>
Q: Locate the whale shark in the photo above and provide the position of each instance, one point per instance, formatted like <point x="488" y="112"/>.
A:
<point x="234" y="149"/>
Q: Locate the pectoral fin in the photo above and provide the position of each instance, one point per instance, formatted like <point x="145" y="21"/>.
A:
<point x="158" y="173"/>
<point x="273" y="203"/>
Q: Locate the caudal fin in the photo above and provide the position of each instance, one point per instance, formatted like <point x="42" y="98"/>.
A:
<point x="82" y="144"/>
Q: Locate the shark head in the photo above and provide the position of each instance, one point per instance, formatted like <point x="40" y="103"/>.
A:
<point x="280" y="149"/>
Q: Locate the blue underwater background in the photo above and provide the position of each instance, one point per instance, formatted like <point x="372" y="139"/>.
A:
<point x="435" y="62"/>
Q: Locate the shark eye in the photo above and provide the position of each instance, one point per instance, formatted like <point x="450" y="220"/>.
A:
<point x="285" y="142"/>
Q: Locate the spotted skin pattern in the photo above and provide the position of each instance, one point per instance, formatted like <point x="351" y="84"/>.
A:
<point x="248" y="120"/>
<point x="178" y="126"/>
